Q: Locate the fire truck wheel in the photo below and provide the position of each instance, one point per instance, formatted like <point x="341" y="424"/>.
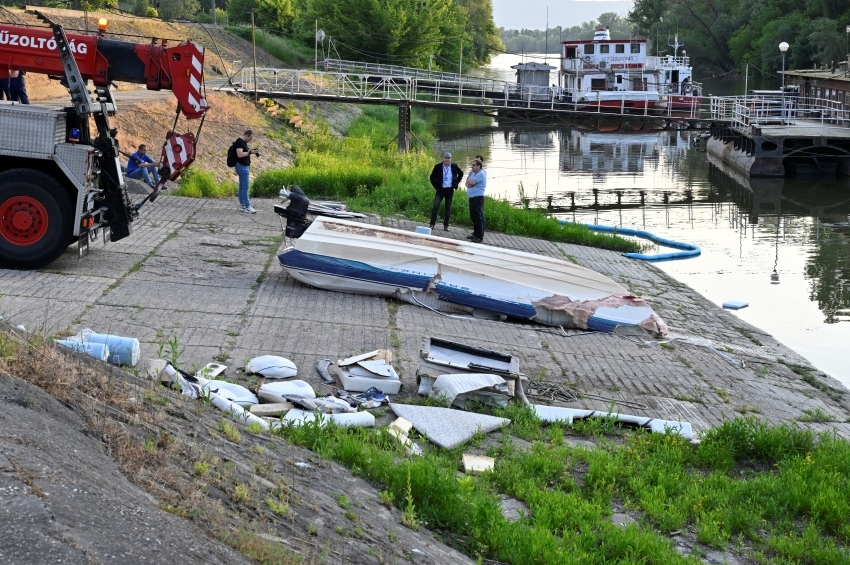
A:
<point x="35" y="219"/>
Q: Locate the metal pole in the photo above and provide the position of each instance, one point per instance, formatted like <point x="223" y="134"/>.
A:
<point x="213" y="12"/>
<point x="254" y="45"/>
<point x="460" y="65"/>
<point x="783" y="88"/>
<point x="316" y="47"/>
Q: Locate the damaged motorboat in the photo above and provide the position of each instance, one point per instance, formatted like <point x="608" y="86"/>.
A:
<point x="460" y="276"/>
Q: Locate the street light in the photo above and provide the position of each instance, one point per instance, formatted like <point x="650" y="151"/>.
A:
<point x="783" y="47"/>
<point x="847" y="47"/>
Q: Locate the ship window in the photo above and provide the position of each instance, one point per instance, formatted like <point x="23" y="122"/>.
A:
<point x="588" y="50"/>
<point x="597" y="84"/>
<point x="619" y="79"/>
<point x="619" y="48"/>
<point x="635" y="47"/>
<point x="604" y="48"/>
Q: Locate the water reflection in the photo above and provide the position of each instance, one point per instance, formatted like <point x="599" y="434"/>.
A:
<point x="783" y="245"/>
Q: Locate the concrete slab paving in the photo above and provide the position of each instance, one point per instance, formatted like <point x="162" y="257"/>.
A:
<point x="205" y="276"/>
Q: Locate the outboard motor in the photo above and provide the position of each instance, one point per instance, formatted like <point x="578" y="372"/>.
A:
<point x="295" y="212"/>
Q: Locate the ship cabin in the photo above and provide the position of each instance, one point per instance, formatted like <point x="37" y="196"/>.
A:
<point x="533" y="80"/>
<point x="604" y="64"/>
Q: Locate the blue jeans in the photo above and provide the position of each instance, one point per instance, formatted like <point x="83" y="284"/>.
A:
<point x="148" y="174"/>
<point x="244" y="182"/>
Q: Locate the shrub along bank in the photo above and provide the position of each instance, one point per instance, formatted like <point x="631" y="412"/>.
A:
<point x="365" y="170"/>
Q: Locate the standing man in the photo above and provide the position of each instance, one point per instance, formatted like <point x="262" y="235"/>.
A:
<point x="18" y="87"/>
<point x="445" y="178"/>
<point x="141" y="167"/>
<point x="243" y="169"/>
<point x="476" y="183"/>
<point x="5" y="93"/>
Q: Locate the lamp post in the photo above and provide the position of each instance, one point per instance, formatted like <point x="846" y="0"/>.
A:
<point x="847" y="48"/>
<point x="783" y="47"/>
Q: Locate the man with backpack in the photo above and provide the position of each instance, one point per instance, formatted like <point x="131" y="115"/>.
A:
<point x="239" y="156"/>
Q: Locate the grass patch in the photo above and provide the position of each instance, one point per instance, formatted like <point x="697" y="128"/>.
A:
<point x="197" y="183"/>
<point x="777" y="490"/>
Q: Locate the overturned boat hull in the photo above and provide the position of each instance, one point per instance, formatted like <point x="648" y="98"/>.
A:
<point x="446" y="274"/>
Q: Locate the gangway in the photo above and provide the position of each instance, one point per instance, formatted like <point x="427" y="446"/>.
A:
<point x="366" y="83"/>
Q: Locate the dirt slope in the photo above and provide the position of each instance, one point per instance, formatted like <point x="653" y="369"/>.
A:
<point x="145" y="117"/>
<point x="98" y="465"/>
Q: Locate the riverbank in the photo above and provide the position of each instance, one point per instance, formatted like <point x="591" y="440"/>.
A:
<point x="199" y="281"/>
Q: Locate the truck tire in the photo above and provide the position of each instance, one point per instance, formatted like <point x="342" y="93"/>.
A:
<point x="36" y="214"/>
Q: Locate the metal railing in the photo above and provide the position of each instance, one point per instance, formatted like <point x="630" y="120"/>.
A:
<point x="758" y="111"/>
<point x="377" y="69"/>
<point x="444" y="88"/>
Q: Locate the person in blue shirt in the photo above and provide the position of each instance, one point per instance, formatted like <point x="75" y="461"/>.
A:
<point x="141" y="167"/>
<point x="476" y="184"/>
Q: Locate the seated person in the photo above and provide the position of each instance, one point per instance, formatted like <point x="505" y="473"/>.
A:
<point x="142" y="167"/>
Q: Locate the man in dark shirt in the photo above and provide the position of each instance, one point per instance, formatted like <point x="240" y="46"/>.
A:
<point x="18" y="87"/>
<point x="5" y="93"/>
<point x="243" y="169"/>
<point x="445" y="178"/>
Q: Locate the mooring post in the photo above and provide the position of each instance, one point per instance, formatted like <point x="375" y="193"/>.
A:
<point x="403" y="127"/>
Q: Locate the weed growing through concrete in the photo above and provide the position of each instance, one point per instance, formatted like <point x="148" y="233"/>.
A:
<point x="169" y="349"/>
<point x="408" y="515"/>
<point x="342" y="500"/>
<point x="386" y="497"/>
<point x="279" y="508"/>
<point x="255" y="428"/>
<point x="241" y="494"/>
<point x="815" y="415"/>
<point x="229" y="431"/>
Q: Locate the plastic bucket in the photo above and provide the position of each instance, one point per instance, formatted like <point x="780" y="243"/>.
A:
<point x="123" y="350"/>
<point x="96" y="350"/>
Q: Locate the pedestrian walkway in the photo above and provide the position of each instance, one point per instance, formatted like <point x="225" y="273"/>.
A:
<point x="200" y="279"/>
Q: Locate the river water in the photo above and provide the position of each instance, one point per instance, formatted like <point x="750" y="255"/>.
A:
<point x="780" y="245"/>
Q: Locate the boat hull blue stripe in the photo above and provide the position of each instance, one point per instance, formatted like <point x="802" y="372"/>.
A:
<point x="348" y="269"/>
<point x="466" y="298"/>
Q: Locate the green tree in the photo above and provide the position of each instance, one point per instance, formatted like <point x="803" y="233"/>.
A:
<point x="276" y="15"/>
<point x="481" y="30"/>
<point x="177" y="9"/>
<point x="239" y="11"/>
<point x="401" y="32"/>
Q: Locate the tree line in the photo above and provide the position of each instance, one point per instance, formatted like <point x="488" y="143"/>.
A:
<point x="548" y="41"/>
<point x="722" y="37"/>
<point x="440" y="34"/>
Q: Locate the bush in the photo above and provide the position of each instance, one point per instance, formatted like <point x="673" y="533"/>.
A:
<point x="196" y="183"/>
